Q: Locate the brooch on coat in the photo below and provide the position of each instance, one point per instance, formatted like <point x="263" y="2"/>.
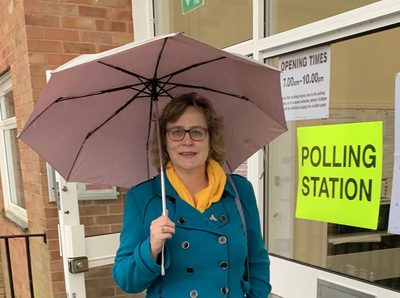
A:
<point x="213" y="217"/>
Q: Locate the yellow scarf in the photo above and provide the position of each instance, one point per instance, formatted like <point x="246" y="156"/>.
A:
<point x="211" y="194"/>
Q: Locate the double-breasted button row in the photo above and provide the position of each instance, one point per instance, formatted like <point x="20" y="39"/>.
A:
<point x="224" y="290"/>
<point x="194" y="294"/>
<point x="222" y="240"/>
<point x="189" y="270"/>
<point x="224" y="265"/>
<point x="185" y="245"/>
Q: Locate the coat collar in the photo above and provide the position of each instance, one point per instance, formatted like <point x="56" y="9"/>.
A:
<point x="187" y="217"/>
<point x="171" y="192"/>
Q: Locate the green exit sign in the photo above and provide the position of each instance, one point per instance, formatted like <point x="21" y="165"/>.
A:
<point x="189" y="5"/>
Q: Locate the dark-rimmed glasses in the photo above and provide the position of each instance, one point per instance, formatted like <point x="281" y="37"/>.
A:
<point x="197" y="134"/>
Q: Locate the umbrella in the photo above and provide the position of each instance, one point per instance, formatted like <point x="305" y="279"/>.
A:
<point x="92" y="122"/>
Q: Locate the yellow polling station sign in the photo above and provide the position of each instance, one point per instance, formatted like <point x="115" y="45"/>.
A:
<point x="340" y="173"/>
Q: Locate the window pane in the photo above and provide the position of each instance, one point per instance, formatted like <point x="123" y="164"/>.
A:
<point x="219" y="23"/>
<point x="7" y="106"/>
<point x="14" y="167"/>
<point x="362" y="89"/>
<point x="289" y="14"/>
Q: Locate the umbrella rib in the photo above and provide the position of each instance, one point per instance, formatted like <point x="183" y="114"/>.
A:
<point x="98" y="93"/>
<point x="142" y="79"/>
<point x="97" y="128"/>
<point x="159" y="58"/>
<point x="174" y="85"/>
<point x="124" y="71"/>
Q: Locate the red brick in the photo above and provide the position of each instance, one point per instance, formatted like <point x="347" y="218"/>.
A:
<point x="38" y="83"/>
<point x="122" y="38"/>
<point x="38" y="70"/>
<point x="94" y="12"/>
<point x="77" y="1"/>
<point x="31" y="6"/>
<point x="45" y="46"/>
<point x="77" y="23"/>
<point x="112" y="3"/>
<point x="121" y="14"/>
<point x="96" y="37"/>
<point x="59" y="9"/>
<point x="42" y="20"/>
<point x="36" y="58"/>
<point x="106" y="47"/>
<point x="56" y="266"/>
<point x="61" y="34"/>
<point x="116" y="209"/>
<point x="79" y="48"/>
<point x="21" y="76"/>
<point x="92" y="210"/>
<point x="110" y="26"/>
<point x="59" y="59"/>
<point x="109" y="219"/>
<point x="116" y="228"/>
<point x="99" y="230"/>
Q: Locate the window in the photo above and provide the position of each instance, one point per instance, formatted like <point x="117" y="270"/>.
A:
<point x="362" y="87"/>
<point x="10" y="164"/>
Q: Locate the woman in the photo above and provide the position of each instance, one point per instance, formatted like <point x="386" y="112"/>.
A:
<point x="205" y="244"/>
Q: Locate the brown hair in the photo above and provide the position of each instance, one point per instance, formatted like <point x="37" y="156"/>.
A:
<point x="173" y="111"/>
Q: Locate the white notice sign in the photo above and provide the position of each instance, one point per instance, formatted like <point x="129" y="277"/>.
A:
<point x="394" y="213"/>
<point x="305" y="81"/>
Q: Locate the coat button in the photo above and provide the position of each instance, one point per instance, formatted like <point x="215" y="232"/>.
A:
<point x="189" y="270"/>
<point x="194" y="294"/>
<point x="222" y="240"/>
<point x="224" y="265"/>
<point x="171" y="200"/>
<point x="224" y="290"/>
<point x="181" y="220"/>
<point x="222" y="218"/>
<point x="185" y="245"/>
<point x="223" y="196"/>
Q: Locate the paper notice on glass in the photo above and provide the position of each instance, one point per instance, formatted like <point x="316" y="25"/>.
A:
<point x="305" y="81"/>
<point x="394" y="215"/>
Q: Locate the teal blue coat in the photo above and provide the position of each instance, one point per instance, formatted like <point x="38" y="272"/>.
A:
<point x="204" y="258"/>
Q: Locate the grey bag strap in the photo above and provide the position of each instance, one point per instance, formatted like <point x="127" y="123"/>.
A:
<point x="239" y="207"/>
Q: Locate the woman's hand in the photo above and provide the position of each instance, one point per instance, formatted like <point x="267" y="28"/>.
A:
<point x="161" y="229"/>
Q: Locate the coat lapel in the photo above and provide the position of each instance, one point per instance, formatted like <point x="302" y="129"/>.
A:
<point x="187" y="217"/>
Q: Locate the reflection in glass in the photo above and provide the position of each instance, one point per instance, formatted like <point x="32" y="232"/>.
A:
<point x="219" y="23"/>
<point x="7" y="106"/>
<point x="14" y="167"/>
<point x="289" y="14"/>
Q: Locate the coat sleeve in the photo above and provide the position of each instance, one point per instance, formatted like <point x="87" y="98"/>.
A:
<point x="259" y="262"/>
<point x="134" y="269"/>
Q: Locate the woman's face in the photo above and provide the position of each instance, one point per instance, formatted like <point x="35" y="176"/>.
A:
<point x="188" y="155"/>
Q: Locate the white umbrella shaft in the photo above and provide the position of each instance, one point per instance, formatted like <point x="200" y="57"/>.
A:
<point x="163" y="199"/>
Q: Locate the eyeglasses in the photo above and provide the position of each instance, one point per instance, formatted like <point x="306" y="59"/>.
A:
<point x="197" y="134"/>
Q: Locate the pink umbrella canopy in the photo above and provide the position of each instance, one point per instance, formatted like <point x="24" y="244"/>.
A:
<point x="93" y="120"/>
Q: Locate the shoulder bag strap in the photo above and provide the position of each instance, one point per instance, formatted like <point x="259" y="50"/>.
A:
<point x="239" y="207"/>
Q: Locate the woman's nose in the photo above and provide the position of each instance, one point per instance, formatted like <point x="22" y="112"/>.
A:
<point x="187" y="139"/>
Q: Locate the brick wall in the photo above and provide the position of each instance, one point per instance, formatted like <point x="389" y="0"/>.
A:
<point x="242" y="169"/>
<point x="36" y="36"/>
<point x="2" y="285"/>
